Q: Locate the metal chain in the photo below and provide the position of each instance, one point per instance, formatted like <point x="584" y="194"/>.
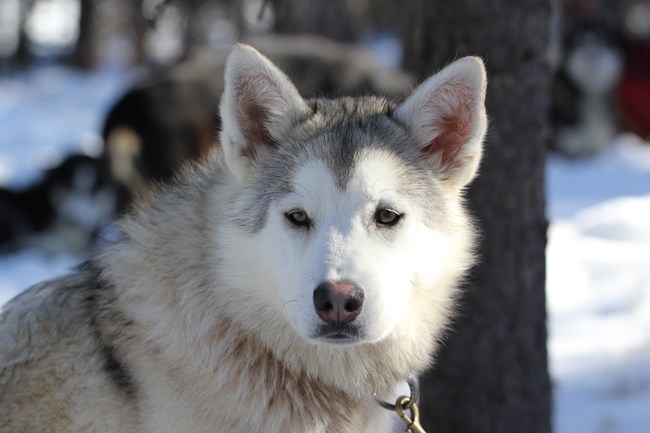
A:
<point x="406" y="403"/>
<point x="413" y="398"/>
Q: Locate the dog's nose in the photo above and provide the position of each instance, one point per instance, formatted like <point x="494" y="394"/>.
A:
<point x="338" y="303"/>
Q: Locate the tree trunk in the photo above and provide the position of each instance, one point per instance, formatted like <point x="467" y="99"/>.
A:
<point x="84" y="55"/>
<point x="492" y="376"/>
<point x="22" y="58"/>
<point x="138" y="29"/>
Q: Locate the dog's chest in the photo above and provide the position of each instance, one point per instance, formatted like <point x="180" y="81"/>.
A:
<point x="279" y="413"/>
<point x="255" y="395"/>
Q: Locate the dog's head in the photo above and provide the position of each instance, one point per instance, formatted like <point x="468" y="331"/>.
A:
<point x="346" y="218"/>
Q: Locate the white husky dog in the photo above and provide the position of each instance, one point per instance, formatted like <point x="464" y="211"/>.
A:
<point x="278" y="287"/>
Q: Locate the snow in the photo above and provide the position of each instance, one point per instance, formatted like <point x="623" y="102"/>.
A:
<point x="621" y="170"/>
<point x="598" y="293"/>
<point x="54" y="23"/>
<point x="50" y="112"/>
<point x="598" y="288"/>
<point x="21" y="270"/>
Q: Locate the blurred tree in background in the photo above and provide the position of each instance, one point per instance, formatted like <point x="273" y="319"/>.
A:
<point x="84" y="52"/>
<point x="493" y="376"/>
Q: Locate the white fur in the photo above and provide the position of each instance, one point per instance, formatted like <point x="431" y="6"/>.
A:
<point x="408" y="280"/>
<point x="213" y="322"/>
<point x="344" y="244"/>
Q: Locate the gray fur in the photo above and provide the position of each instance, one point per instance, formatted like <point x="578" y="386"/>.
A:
<point x="337" y="131"/>
<point x="178" y="324"/>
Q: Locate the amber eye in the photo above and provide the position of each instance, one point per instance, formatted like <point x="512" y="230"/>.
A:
<point x="298" y="218"/>
<point x="387" y="217"/>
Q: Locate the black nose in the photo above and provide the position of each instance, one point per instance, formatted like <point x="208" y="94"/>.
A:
<point x="338" y="303"/>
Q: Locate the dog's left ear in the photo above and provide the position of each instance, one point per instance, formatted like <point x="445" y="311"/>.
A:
<point x="446" y="116"/>
<point x="258" y="107"/>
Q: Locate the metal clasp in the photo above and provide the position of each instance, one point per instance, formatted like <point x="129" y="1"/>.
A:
<point x="407" y="403"/>
<point x="413" y="422"/>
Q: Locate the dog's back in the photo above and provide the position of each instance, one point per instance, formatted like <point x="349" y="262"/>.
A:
<point x="54" y="372"/>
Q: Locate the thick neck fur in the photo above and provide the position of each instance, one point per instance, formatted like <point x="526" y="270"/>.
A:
<point x="165" y="270"/>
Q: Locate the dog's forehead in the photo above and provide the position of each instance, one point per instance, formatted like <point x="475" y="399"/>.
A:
<point x="371" y="170"/>
<point x="344" y="131"/>
<point x="346" y="137"/>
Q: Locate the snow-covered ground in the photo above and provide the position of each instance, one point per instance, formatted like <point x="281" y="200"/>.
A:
<point x="598" y="254"/>
<point x="598" y="289"/>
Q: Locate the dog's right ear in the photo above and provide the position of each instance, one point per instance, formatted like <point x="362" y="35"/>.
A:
<point x="259" y="106"/>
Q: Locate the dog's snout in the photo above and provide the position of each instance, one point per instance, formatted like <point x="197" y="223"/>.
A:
<point x="338" y="303"/>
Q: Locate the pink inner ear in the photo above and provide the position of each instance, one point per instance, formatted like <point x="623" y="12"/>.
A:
<point x="252" y="115"/>
<point x="452" y="123"/>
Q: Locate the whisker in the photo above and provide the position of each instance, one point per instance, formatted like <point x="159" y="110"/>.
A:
<point x="284" y="305"/>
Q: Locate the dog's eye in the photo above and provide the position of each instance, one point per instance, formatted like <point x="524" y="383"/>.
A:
<point x="387" y="217"/>
<point x="298" y="218"/>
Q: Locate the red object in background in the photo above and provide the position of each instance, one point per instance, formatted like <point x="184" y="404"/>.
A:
<point x="634" y="89"/>
<point x="634" y="101"/>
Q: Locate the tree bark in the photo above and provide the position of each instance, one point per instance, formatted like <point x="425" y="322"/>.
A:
<point x="84" y="53"/>
<point x="22" y="58"/>
<point x="492" y="375"/>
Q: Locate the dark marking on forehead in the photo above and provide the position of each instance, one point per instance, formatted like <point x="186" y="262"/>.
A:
<point x="352" y="124"/>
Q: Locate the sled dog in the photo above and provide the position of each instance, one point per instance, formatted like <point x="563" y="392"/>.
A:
<point x="275" y="287"/>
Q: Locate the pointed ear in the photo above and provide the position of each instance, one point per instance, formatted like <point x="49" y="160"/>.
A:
<point x="446" y="116"/>
<point x="258" y="107"/>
